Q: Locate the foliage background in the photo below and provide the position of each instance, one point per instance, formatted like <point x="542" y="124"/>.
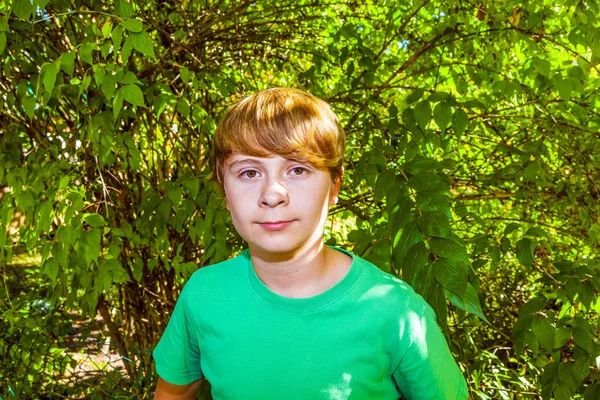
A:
<point x="472" y="169"/>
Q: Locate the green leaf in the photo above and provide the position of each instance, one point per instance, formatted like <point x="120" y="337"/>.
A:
<point x="576" y="72"/>
<point x="85" y="52"/>
<point x="415" y="259"/>
<point x="143" y="43"/>
<point x="437" y="300"/>
<point x="470" y="303"/>
<point x="494" y="252"/>
<point x="163" y="210"/>
<point x="94" y="219"/>
<point x="582" y="339"/>
<point x="592" y="392"/>
<point x="423" y="114"/>
<point x="404" y="239"/>
<point x="4" y="23"/>
<point x="183" y="107"/>
<point x="428" y="180"/>
<point x="433" y="200"/>
<point x="439" y="96"/>
<point x="563" y="86"/>
<point x="532" y="342"/>
<point x="117" y="104"/>
<point x="67" y="62"/>
<point x="542" y="328"/>
<point x="48" y="73"/>
<point x="452" y="275"/>
<point x="174" y="194"/>
<point x="28" y="103"/>
<point x="2" y="42"/>
<point x="448" y="249"/>
<point x="132" y="25"/>
<point x="505" y="244"/>
<point x="435" y="223"/>
<point x="192" y="187"/>
<point x="532" y="306"/>
<point x="531" y="171"/>
<point x="40" y="3"/>
<point x="511" y="227"/>
<point x="138" y="268"/>
<point x="400" y="215"/>
<point x="126" y="50"/>
<point x="3" y="234"/>
<point x="60" y="253"/>
<point x="581" y="369"/>
<point x="425" y="284"/>
<point x="567" y="378"/>
<point x="550" y="373"/>
<point x="99" y="74"/>
<point x="442" y="114"/>
<point x="185" y="74"/>
<point x="561" y="337"/>
<point x="586" y="294"/>
<point x="415" y="96"/>
<point x="133" y="95"/>
<point x="91" y="240"/>
<point x="419" y="165"/>
<point x="536" y="232"/>
<point x="124" y="8"/>
<point x="525" y="252"/>
<point x="109" y="85"/>
<point x="542" y="66"/>
<point x="127" y="78"/>
<point x="51" y="269"/>
<point x="409" y="120"/>
<point x="107" y="27"/>
<point x="562" y="393"/>
<point x="117" y="37"/>
<point x="23" y="9"/>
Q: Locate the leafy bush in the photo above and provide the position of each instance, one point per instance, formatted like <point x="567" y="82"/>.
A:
<point x="472" y="165"/>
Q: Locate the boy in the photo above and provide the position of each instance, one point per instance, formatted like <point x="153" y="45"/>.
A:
<point x="291" y="318"/>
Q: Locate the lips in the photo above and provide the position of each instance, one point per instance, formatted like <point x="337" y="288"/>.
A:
<point x="275" y="226"/>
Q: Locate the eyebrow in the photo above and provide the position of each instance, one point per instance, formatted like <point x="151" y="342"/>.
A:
<point x="251" y="161"/>
<point x="243" y="162"/>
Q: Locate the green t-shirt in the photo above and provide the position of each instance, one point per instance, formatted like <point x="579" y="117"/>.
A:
<point x="368" y="337"/>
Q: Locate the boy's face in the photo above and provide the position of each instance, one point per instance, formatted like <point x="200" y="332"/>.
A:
<point x="279" y="206"/>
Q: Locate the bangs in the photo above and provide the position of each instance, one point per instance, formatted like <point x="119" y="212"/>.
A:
<point x="285" y="122"/>
<point x="291" y="132"/>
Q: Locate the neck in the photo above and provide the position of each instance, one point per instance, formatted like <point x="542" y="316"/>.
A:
<point x="304" y="273"/>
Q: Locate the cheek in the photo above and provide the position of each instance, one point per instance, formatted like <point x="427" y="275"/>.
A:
<point x="312" y="201"/>
<point x="237" y="219"/>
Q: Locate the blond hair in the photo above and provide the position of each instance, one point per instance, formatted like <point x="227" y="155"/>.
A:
<point x="283" y="121"/>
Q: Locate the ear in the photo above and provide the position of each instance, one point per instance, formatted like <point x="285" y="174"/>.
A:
<point x="225" y="197"/>
<point x="335" y="190"/>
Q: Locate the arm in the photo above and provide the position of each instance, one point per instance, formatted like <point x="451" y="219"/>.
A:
<point x="168" y="391"/>
<point x="427" y="369"/>
<point x="177" y="356"/>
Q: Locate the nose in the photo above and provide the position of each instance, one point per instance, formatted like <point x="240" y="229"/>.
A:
<point x="273" y="194"/>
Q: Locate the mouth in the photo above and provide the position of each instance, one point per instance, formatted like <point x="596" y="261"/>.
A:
<point x="275" y="226"/>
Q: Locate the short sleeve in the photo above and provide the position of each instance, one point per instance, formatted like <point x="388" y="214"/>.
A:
<point x="427" y="370"/>
<point x="177" y="354"/>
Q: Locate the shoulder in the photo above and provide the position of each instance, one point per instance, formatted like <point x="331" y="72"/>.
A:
<point x="398" y="296"/>
<point x="404" y="312"/>
<point x="217" y="275"/>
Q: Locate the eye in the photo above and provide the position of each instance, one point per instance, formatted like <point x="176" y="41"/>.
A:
<point x="249" y="174"/>
<point x="299" y="171"/>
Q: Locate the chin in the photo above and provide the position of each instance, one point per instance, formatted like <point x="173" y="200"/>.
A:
<point x="284" y="249"/>
<point x="274" y="250"/>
